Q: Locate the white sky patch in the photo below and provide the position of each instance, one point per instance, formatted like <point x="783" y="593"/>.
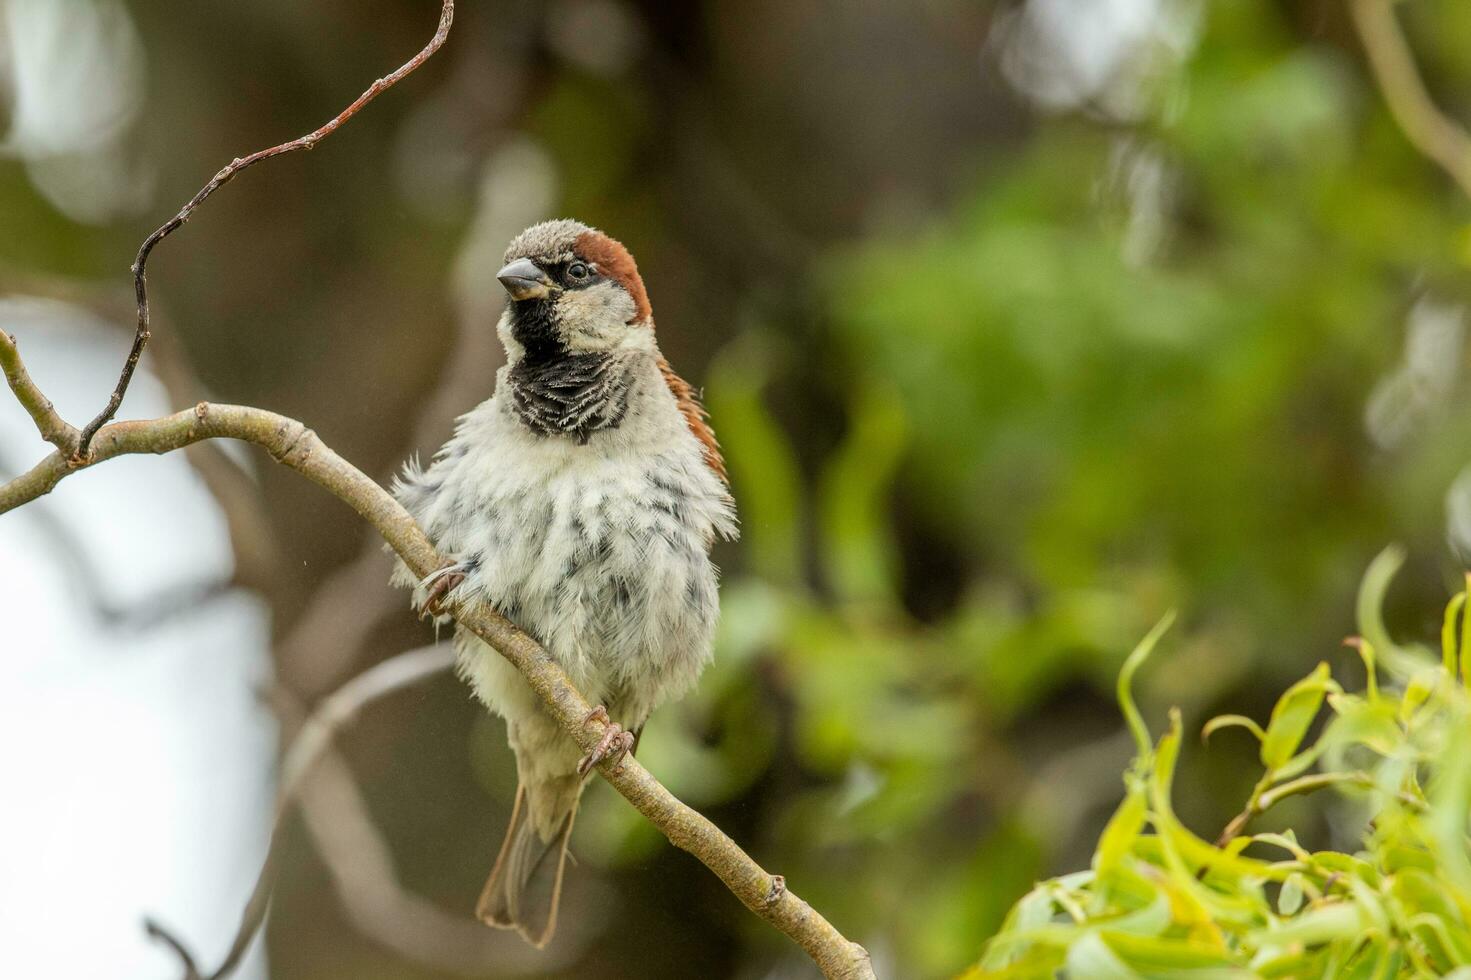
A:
<point x="138" y="761"/>
<point x="1102" y="54"/>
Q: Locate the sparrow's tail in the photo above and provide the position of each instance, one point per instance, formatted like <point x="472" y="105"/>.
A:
<point x="526" y="883"/>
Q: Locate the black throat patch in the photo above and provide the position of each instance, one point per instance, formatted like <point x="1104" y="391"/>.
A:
<point x="574" y="395"/>
<point x="554" y="391"/>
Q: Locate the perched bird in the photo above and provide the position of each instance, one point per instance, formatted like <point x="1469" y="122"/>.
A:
<point x="580" y="501"/>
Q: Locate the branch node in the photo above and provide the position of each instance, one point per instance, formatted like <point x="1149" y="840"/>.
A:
<point x="775" y="892"/>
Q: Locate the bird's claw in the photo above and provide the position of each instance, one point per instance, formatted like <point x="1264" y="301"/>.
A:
<point x="614" y="744"/>
<point x="438" y="583"/>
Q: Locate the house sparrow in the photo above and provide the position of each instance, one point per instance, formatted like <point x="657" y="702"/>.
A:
<point x="581" y="501"/>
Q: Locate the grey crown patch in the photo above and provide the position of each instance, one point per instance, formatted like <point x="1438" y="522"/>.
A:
<point x="550" y="240"/>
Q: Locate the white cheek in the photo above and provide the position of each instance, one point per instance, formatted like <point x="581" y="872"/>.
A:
<point x="514" y="350"/>
<point x="595" y="318"/>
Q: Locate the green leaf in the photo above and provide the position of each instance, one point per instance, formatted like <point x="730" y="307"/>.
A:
<point x="1155" y="957"/>
<point x="1232" y="721"/>
<point x="1289" y="899"/>
<point x="1091" y="958"/>
<point x="1400" y="656"/>
<point x="1151" y="920"/>
<point x="1418" y="690"/>
<point x="1450" y="799"/>
<point x="1122" y="830"/>
<point x="1372" y="590"/>
<point x="1287" y="841"/>
<point x="1132" y="663"/>
<point x="1320" y="925"/>
<point x="1371" y="667"/>
<point x="1449" y="650"/>
<point x="1167" y="905"/>
<point x="1292" y="716"/>
<point x="1359" y="722"/>
<point x="1300" y="763"/>
<point x="1465" y="636"/>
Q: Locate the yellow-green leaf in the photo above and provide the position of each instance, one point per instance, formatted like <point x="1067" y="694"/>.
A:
<point x="1292" y="716"/>
<point x="1232" y="721"/>
<point x="1122" y="830"/>
<point x="1449" y="648"/>
<point x="1141" y="653"/>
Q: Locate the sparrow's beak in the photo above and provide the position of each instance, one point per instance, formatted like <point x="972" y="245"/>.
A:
<point x="523" y="280"/>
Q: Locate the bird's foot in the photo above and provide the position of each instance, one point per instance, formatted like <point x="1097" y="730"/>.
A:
<point x="615" y="743"/>
<point x="438" y="583"/>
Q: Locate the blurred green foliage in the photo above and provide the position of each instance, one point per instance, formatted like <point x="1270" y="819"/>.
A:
<point x="1163" y="903"/>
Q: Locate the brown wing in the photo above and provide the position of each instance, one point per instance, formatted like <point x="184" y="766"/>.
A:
<point x="695" y="415"/>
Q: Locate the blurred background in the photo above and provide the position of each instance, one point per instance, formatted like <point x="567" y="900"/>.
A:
<point x="1021" y="323"/>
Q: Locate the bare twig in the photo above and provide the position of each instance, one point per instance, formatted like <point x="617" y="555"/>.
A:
<point x="347" y="609"/>
<point x="1431" y="131"/>
<point x="308" y="748"/>
<point x="307" y="142"/>
<point x="382" y="908"/>
<point x="186" y="958"/>
<point x="294" y="445"/>
<point x="53" y="428"/>
<point x="343" y="705"/>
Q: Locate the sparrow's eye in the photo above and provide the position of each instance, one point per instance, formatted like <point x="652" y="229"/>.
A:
<point x="578" y="272"/>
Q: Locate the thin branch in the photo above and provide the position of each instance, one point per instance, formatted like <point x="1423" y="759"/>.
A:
<point x="1253" y="807"/>
<point x="1263" y="798"/>
<point x="382" y="908"/>
<point x="307" y="142"/>
<point x="347" y="609"/>
<point x="186" y="958"/>
<point x="307" y="749"/>
<point x="294" y="445"/>
<point x="1316" y="781"/>
<point x="342" y="706"/>
<point x="1429" y="129"/>
<point x="53" y="428"/>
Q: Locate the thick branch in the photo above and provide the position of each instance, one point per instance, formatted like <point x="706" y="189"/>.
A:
<point x="140" y="264"/>
<point x="1431" y="131"/>
<point x="294" y="445"/>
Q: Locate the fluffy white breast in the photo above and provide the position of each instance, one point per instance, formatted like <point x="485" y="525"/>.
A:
<point x="599" y="549"/>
